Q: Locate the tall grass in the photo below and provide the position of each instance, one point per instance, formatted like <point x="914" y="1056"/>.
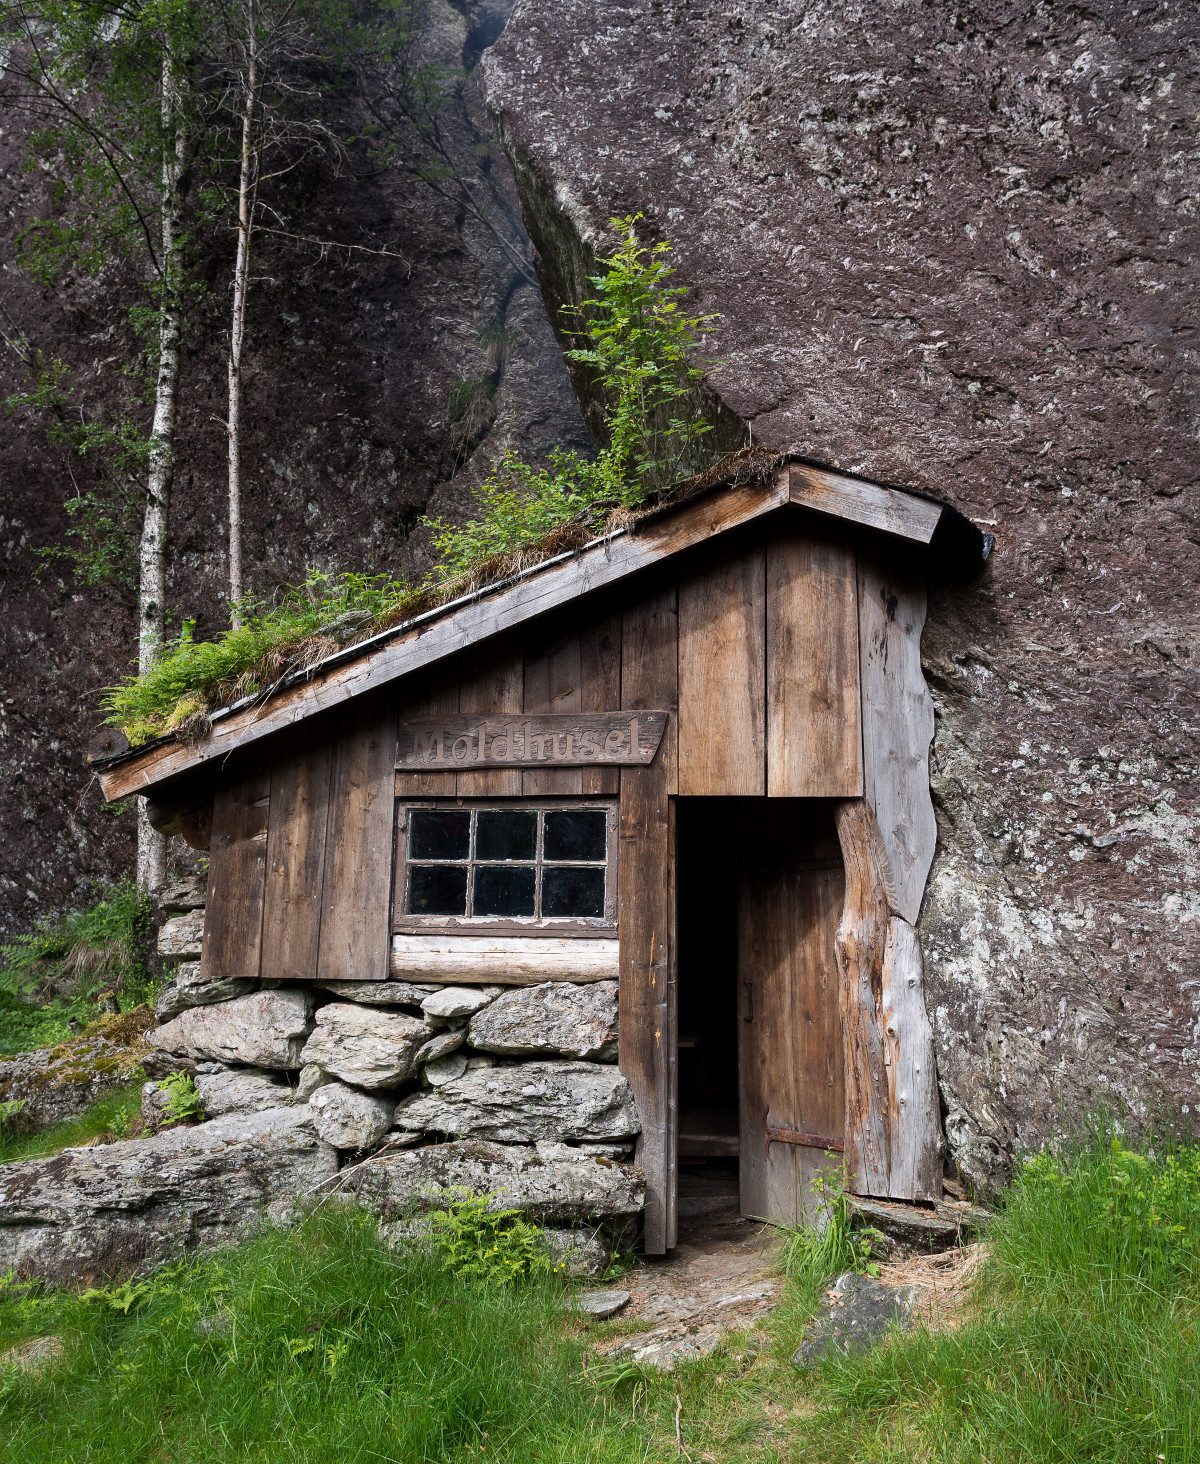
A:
<point x="316" y="1345"/>
<point x="1085" y="1343"/>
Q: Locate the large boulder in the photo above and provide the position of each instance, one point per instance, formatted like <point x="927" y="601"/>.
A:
<point x="348" y="1118"/>
<point x="556" y="1018"/>
<point x="266" y="1029"/>
<point x="525" y="1102"/>
<point x="187" y="989"/>
<point x="553" y="1184"/>
<point x="366" y="1046"/>
<point x="124" y="1208"/>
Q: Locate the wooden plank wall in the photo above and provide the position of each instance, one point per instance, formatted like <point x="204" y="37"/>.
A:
<point x="233" y="921"/>
<point x="648" y="1007"/>
<point x="769" y="667"/>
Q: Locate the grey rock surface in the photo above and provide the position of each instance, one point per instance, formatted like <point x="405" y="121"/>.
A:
<point x="398" y="1185"/>
<point x="128" y="1207"/>
<point x="241" y="1090"/>
<point x="598" y="1306"/>
<point x="443" y="1070"/>
<point x="378" y="993"/>
<point x="666" y="1346"/>
<point x="265" y="1029"/>
<point x="183" y="893"/>
<point x="187" y="988"/>
<point x="558" y="1018"/>
<point x="348" y="1118"/>
<point x="181" y="937"/>
<point x="450" y="1003"/>
<point x="440" y="1046"/>
<point x="582" y="1254"/>
<point x="916" y="215"/>
<point x="311" y="1078"/>
<point x="367" y="1046"/>
<point x="527" y="1101"/>
<point x="858" y="1312"/>
<point x="57" y="1083"/>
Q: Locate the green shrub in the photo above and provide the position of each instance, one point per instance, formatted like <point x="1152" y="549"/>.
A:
<point x="497" y="1246"/>
<point x="640" y="349"/>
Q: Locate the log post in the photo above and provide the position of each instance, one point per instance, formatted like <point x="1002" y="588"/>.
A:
<point x="861" y="946"/>
<point x="893" y="1124"/>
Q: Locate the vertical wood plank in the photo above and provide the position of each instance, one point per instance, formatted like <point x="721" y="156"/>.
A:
<point x="789" y="1026"/>
<point x="861" y="948"/>
<point x="600" y="672"/>
<point x="813" y="737"/>
<point x="897" y="713"/>
<point x="432" y="696"/>
<point x="553" y="680"/>
<point x="297" y="827"/>
<point x="356" y="897"/>
<point x="492" y="681"/>
<point x="647" y="999"/>
<point x="237" y="871"/>
<point x="916" y="1123"/>
<point x="722" y="695"/>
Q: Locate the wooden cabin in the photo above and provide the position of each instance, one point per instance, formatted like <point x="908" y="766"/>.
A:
<point x="692" y="755"/>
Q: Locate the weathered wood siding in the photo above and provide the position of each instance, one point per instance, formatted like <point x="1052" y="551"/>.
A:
<point x="788" y="653"/>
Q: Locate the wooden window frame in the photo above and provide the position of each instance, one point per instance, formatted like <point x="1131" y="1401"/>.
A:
<point x="506" y="925"/>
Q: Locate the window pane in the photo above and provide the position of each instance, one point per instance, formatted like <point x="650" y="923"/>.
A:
<point x="437" y="889"/>
<point x="572" y="891"/>
<point x="577" y="833"/>
<point x="505" y="835"/>
<point x="439" y="833"/>
<point x="503" y="889"/>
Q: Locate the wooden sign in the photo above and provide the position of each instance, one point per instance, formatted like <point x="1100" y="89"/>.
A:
<point x="540" y="739"/>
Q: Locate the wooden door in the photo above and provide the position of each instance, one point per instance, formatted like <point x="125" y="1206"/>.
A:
<point x="790" y="1074"/>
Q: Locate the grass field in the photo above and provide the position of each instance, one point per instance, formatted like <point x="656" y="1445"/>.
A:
<point x="321" y="1344"/>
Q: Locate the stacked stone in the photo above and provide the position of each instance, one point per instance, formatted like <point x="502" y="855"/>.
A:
<point x="512" y="1092"/>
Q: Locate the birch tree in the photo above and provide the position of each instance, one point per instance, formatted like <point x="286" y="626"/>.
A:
<point x="107" y="86"/>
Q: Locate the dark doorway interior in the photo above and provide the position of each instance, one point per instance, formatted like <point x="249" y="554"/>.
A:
<point x="708" y="850"/>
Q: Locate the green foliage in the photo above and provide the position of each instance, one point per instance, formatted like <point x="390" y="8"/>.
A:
<point x="183" y="1101"/>
<point x="57" y="972"/>
<point x="194" y="675"/>
<point x="522" y="505"/>
<point x="1086" y="1331"/>
<point x="491" y="1246"/>
<point x="112" y="1116"/>
<point x="100" y="544"/>
<point x="814" y="1253"/>
<point x="641" y="349"/>
<point x="320" y="1344"/>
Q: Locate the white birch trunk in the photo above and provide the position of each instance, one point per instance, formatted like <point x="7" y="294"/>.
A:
<point x="151" y="850"/>
<point x="247" y="184"/>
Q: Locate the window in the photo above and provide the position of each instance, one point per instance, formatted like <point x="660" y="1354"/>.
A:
<point x="549" y="865"/>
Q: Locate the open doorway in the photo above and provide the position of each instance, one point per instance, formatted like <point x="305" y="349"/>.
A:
<point x="708" y="851"/>
<point x="759" y="891"/>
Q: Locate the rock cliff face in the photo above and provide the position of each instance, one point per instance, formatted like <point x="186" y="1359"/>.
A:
<point x="955" y="247"/>
<point x="355" y="431"/>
